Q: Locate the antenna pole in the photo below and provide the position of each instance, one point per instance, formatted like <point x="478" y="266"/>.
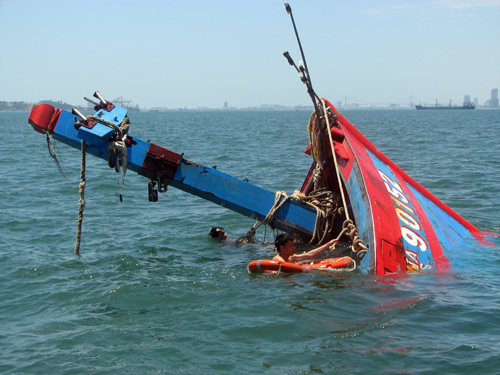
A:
<point x="289" y="11"/>
<point x="303" y="70"/>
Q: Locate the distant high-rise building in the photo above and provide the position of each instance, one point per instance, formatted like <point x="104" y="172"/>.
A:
<point x="493" y="102"/>
<point x="467" y="99"/>
<point x="226" y="105"/>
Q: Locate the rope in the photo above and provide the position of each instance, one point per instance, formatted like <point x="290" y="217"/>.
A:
<point x="335" y="159"/>
<point x="118" y="146"/>
<point x="81" y="203"/>
<point x="52" y="151"/>
<point x="250" y="236"/>
<point x="279" y="269"/>
<point x="324" y="202"/>
<point x="358" y="247"/>
<point x="108" y="123"/>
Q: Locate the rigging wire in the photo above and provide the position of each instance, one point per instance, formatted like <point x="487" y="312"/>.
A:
<point x="52" y="151"/>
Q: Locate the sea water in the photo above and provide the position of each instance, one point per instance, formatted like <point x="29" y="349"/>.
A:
<point x="153" y="294"/>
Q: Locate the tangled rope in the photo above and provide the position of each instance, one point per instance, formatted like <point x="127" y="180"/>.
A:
<point x="324" y="202"/>
<point x="350" y="230"/>
<point x="328" y="204"/>
<point x="278" y="202"/>
<point x="117" y="149"/>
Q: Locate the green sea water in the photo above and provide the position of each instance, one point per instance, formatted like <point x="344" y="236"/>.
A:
<point x="152" y="294"/>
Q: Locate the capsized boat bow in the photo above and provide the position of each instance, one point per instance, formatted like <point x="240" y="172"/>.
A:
<point x="403" y="224"/>
<point x="398" y="225"/>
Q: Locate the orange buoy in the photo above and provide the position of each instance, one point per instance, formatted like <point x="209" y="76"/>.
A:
<point x="267" y="265"/>
<point x="330" y="264"/>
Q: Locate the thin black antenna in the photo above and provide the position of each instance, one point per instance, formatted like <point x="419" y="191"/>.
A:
<point x="289" y="11"/>
<point x="301" y="69"/>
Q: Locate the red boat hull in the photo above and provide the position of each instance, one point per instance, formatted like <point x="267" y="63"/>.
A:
<point x="405" y="227"/>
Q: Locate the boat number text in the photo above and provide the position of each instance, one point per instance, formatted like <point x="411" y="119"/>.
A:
<point x="411" y="229"/>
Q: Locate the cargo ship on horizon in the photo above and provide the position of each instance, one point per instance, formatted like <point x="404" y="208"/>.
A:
<point x="466" y="105"/>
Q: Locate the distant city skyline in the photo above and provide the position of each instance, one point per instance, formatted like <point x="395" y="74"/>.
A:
<point x="492" y="102"/>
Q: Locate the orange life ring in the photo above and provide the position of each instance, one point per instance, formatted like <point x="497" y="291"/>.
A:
<point x="267" y="265"/>
<point x="330" y="264"/>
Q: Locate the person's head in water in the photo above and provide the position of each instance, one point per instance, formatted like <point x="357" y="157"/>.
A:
<point x="218" y="233"/>
<point x="284" y="243"/>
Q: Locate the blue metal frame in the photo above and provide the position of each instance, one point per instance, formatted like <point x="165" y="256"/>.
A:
<point x="207" y="183"/>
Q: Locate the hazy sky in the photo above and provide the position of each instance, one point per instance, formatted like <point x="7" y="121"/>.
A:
<point x="190" y="53"/>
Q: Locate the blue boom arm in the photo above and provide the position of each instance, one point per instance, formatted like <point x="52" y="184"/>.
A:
<point x="164" y="167"/>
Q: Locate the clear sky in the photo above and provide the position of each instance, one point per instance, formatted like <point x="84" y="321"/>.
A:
<point x="201" y="53"/>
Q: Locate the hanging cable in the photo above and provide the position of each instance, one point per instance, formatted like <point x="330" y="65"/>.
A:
<point x="52" y="151"/>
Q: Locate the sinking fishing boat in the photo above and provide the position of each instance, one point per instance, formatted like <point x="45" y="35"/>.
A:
<point x="388" y="222"/>
<point x="392" y="223"/>
<point x="405" y="227"/>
